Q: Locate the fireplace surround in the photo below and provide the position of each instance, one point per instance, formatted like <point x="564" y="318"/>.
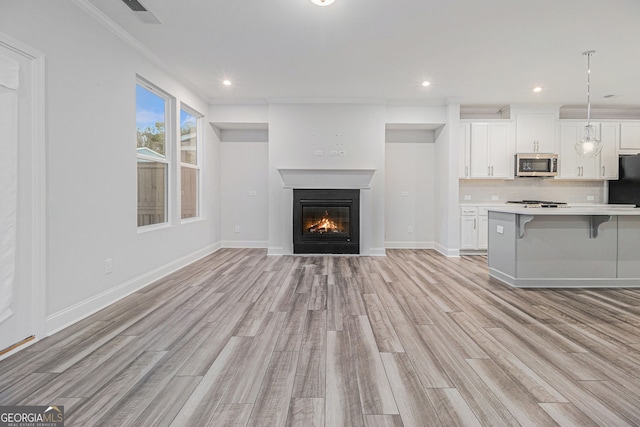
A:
<point x="326" y="221"/>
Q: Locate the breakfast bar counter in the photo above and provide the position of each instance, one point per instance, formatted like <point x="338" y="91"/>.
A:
<point x="568" y="247"/>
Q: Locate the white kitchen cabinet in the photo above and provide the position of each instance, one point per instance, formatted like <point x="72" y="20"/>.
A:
<point x="474" y="231"/>
<point x="610" y="136"/>
<point x="490" y="151"/>
<point x="630" y="136"/>
<point x="535" y="133"/>
<point x="464" y="154"/>
<point x="604" y="166"/>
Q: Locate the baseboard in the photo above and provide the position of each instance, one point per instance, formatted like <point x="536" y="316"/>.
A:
<point x="67" y="317"/>
<point x="245" y="244"/>
<point x="448" y="252"/>
<point x="377" y="252"/>
<point x="409" y="245"/>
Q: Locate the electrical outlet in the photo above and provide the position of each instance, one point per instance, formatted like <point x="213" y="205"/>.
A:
<point x="333" y="152"/>
<point x="410" y="229"/>
<point x="500" y="229"/>
<point x="252" y="193"/>
<point x="108" y="266"/>
<point x="495" y="198"/>
<point x="590" y="198"/>
<point x="342" y="153"/>
<point x="405" y="194"/>
<point x="467" y="197"/>
<point x="319" y="153"/>
<point x="237" y="229"/>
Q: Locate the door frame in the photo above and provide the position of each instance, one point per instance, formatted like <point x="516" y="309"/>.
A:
<point x="38" y="220"/>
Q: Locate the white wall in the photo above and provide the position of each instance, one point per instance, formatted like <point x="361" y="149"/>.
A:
<point x="91" y="162"/>
<point x="296" y="132"/>
<point x="244" y="171"/>
<point x="410" y="194"/>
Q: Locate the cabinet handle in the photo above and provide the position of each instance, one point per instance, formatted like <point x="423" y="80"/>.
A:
<point x="488" y="170"/>
<point x="603" y="171"/>
<point x="474" y="223"/>
<point x="466" y="171"/>
<point x="491" y="170"/>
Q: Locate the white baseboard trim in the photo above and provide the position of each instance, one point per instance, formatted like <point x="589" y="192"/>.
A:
<point x="245" y="244"/>
<point x="448" y="252"/>
<point x="377" y="252"/>
<point x="67" y="317"/>
<point x="409" y="245"/>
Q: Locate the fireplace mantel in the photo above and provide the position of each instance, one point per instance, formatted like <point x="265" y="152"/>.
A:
<point x="326" y="178"/>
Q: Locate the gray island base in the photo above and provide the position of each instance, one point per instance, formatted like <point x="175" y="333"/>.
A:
<point x="565" y="247"/>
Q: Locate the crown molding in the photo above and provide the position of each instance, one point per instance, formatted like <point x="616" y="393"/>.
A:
<point x="136" y="45"/>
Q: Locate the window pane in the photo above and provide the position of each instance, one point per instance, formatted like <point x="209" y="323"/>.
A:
<point x="189" y="183"/>
<point x="188" y="138"/>
<point x="152" y="190"/>
<point x="150" y="116"/>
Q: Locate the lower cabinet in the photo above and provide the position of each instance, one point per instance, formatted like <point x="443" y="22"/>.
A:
<point x="474" y="228"/>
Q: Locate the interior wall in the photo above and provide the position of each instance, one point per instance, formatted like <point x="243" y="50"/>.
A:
<point x="91" y="162"/>
<point x="410" y="200"/>
<point x="297" y="132"/>
<point x="244" y="195"/>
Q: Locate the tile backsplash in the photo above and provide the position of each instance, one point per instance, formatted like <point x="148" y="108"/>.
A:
<point x="485" y="191"/>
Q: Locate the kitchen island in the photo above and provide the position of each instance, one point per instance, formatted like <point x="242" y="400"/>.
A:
<point x="573" y="247"/>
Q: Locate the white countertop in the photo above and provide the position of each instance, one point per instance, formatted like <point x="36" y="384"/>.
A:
<point x="622" y="210"/>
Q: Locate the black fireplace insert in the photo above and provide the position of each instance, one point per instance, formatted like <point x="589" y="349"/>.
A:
<point x="326" y="221"/>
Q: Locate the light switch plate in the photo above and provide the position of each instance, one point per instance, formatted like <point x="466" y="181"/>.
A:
<point x="500" y="229"/>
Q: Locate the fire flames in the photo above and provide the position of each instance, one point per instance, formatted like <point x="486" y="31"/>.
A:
<point x="325" y="225"/>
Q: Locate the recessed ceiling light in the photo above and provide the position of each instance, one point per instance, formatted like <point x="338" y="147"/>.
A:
<point x="426" y="83"/>
<point x="226" y="82"/>
<point x="537" y="89"/>
<point x="322" y="2"/>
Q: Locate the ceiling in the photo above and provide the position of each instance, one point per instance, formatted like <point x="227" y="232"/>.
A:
<point x="490" y="52"/>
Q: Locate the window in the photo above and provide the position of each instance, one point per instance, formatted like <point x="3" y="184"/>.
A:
<point x="152" y="154"/>
<point x="189" y="163"/>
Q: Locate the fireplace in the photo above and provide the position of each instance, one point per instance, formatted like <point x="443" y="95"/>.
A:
<point x="326" y="221"/>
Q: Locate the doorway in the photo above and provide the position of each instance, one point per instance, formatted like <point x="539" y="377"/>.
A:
<point x="23" y="249"/>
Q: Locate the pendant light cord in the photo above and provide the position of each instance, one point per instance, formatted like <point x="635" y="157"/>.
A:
<point x="589" y="53"/>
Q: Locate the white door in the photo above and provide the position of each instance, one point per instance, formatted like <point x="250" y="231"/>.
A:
<point x="20" y="296"/>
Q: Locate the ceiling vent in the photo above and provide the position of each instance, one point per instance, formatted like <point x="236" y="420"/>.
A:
<point x="142" y="12"/>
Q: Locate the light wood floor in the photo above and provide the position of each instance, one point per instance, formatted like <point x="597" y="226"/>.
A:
<point x="412" y="339"/>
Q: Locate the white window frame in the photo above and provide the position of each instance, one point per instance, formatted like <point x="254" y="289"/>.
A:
<point x="169" y="148"/>
<point x="198" y="166"/>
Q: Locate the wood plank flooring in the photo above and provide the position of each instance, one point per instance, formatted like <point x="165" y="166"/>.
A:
<point x="413" y="339"/>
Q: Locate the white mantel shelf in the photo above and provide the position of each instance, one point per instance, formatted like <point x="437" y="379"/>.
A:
<point x="326" y="178"/>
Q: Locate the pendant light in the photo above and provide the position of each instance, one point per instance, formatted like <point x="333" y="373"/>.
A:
<point x="322" y="2"/>
<point x="589" y="146"/>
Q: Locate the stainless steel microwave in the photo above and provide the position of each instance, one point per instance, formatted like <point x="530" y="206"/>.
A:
<point x="536" y="164"/>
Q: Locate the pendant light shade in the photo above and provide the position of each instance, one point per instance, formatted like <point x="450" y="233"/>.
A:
<point x="589" y="146"/>
<point x="322" y="2"/>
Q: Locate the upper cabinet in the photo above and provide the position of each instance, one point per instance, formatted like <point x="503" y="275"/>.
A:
<point x="535" y="133"/>
<point x="464" y="154"/>
<point x="491" y="150"/>
<point x="610" y="135"/>
<point x="630" y="136"/>
<point x="604" y="166"/>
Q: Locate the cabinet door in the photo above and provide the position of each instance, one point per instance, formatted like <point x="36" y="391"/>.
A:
<point x="573" y="166"/>
<point x="535" y="133"/>
<point x="468" y="232"/>
<point x="464" y="154"/>
<point x="499" y="150"/>
<point x="480" y="150"/>
<point x="483" y="232"/>
<point x="630" y="136"/>
<point x="610" y="136"/>
<point x="569" y="165"/>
